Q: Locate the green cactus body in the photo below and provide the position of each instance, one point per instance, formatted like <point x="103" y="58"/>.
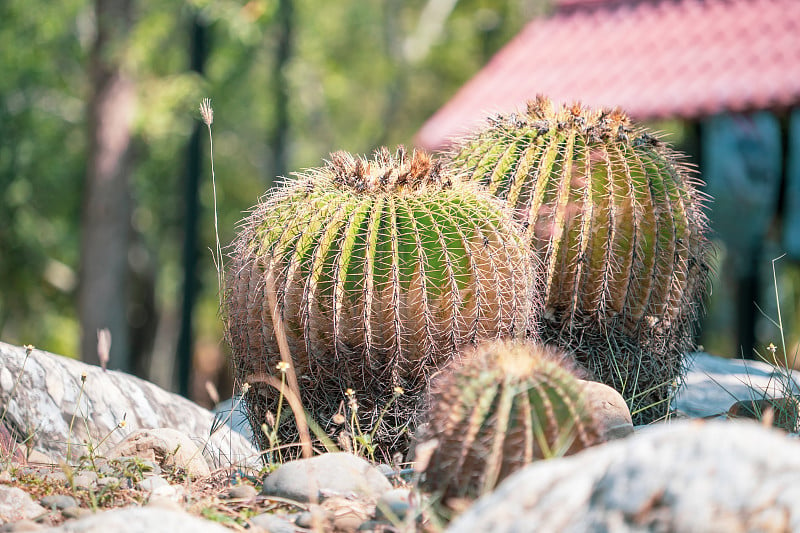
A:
<point x="503" y="406"/>
<point x="619" y="225"/>
<point x="383" y="269"/>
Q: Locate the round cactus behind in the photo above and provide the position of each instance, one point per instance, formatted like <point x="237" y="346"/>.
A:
<point x="503" y="406"/>
<point x="382" y="269"/>
<point x="619" y="224"/>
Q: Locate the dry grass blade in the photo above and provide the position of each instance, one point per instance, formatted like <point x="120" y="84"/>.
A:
<point x="294" y="388"/>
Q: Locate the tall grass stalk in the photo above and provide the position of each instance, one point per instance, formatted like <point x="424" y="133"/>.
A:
<point x="778" y="305"/>
<point x="207" y="113"/>
<point x="77" y="408"/>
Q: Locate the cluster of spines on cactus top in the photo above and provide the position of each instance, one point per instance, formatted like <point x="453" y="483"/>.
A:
<point x="504" y="405"/>
<point x="382" y="268"/>
<point x="618" y="221"/>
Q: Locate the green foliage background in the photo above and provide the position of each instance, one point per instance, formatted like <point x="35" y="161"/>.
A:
<point x="361" y="74"/>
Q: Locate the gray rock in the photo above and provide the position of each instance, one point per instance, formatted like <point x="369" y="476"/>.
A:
<point x="164" y="446"/>
<point x="140" y="520"/>
<point x="58" y="501"/>
<point x="46" y="400"/>
<point x="242" y="492"/>
<point x="16" y="504"/>
<point x="273" y="523"/>
<point x="686" y="476"/>
<point x="313" y="479"/>
<point x="713" y="384"/>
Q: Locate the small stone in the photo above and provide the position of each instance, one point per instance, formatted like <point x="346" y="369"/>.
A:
<point x="242" y="492"/>
<point x="151" y="483"/>
<point x="164" y="502"/>
<point x="393" y="505"/>
<point x="273" y="523"/>
<point x="16" y="504"/>
<point x="176" y="492"/>
<point x="781" y="413"/>
<point x="105" y="469"/>
<point x="348" y="513"/>
<point x="107" y="481"/>
<point x="307" y="480"/>
<point x="58" y="501"/>
<point x="156" y="488"/>
<point x="75" y="512"/>
<point x="386" y="470"/>
<point x="166" y="447"/>
<point x="5" y="477"/>
<point x="21" y="525"/>
<point x="84" y="480"/>
<point x="314" y="518"/>
<point x="37" y="457"/>
<point x="347" y="522"/>
<point x="610" y="410"/>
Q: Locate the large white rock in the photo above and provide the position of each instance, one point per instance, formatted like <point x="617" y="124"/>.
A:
<point x="48" y="396"/>
<point x="714" y="476"/>
<point x="713" y="384"/>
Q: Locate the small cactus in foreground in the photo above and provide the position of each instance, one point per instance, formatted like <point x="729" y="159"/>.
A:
<point x="383" y="269"/>
<point x="503" y="406"/>
<point x="619" y="225"/>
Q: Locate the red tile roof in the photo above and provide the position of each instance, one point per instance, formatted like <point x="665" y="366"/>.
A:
<point x="655" y="59"/>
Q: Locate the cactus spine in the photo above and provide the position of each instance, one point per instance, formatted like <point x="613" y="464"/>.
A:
<point x="619" y="225"/>
<point x="503" y="406"/>
<point x="383" y="269"/>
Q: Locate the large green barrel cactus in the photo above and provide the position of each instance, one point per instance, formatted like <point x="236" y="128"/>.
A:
<point x="503" y="406"/>
<point x="619" y="224"/>
<point x="382" y="269"/>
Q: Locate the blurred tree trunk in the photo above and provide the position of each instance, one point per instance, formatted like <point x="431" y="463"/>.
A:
<point x="191" y="281"/>
<point x="279" y="132"/>
<point x="105" y="231"/>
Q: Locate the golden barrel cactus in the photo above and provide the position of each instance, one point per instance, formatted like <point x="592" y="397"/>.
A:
<point x="504" y="405"/>
<point x="383" y="269"/>
<point x="619" y="224"/>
